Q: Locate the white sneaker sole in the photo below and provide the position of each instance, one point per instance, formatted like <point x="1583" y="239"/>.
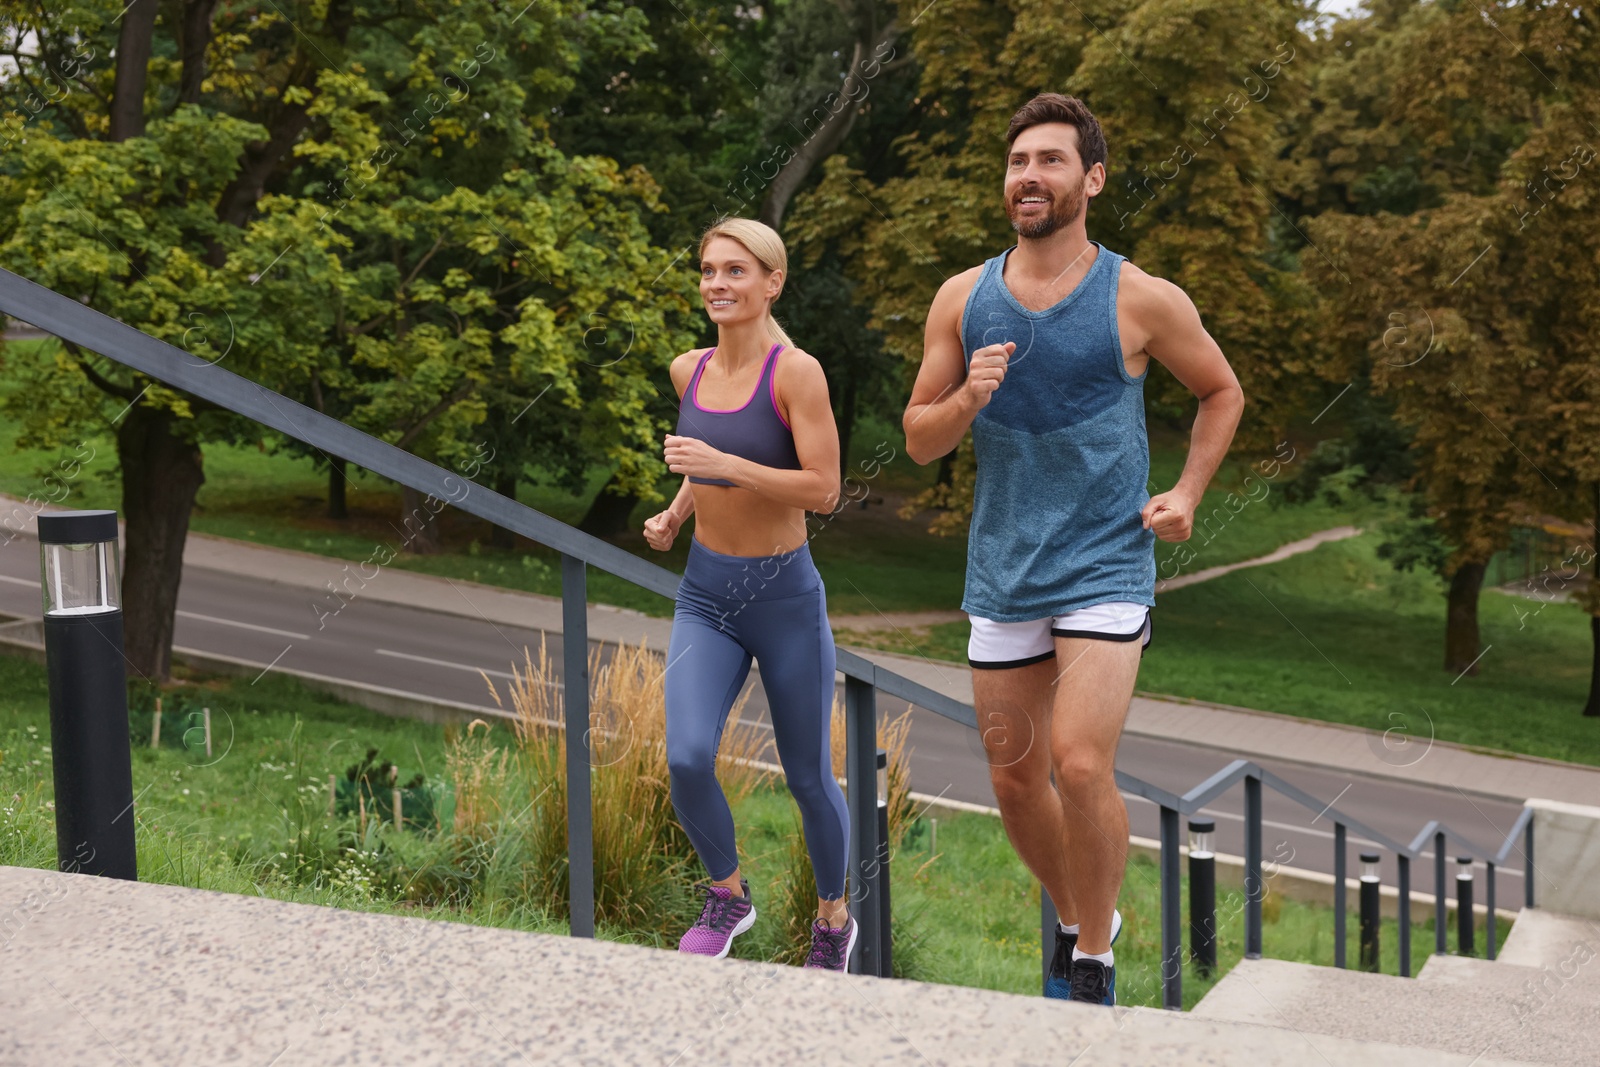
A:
<point x="744" y="924"/>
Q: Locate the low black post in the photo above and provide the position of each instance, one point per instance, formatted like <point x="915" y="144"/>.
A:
<point x="90" y="754"/>
<point x="1202" y="896"/>
<point x="1464" y="906"/>
<point x="1371" y="913"/>
<point x="885" y="931"/>
<point x="1527" y="866"/>
<point x="1047" y="935"/>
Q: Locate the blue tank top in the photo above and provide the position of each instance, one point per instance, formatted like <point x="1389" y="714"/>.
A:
<point x="1063" y="460"/>
<point x="757" y="431"/>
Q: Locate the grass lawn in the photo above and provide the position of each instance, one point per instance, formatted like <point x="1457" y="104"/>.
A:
<point x="968" y="916"/>
<point x="1338" y="634"/>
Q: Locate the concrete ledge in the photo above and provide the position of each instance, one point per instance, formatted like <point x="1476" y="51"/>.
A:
<point x="1566" y="852"/>
<point x="95" y="970"/>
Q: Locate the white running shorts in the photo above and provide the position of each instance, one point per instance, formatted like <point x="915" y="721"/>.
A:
<point x="997" y="645"/>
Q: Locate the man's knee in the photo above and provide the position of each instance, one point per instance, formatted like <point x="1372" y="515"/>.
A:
<point x="1017" y="783"/>
<point x="1082" y="769"/>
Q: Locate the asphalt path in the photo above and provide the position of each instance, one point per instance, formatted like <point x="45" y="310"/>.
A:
<point x="441" y="656"/>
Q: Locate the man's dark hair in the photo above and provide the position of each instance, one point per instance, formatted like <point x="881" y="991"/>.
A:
<point x="1053" y="107"/>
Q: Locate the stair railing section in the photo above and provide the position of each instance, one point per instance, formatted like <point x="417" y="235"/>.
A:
<point x="73" y="321"/>
<point x="1173" y="808"/>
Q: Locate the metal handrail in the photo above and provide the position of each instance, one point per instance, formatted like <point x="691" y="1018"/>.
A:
<point x="117" y="341"/>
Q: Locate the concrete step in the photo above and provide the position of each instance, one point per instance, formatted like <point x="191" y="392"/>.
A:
<point x="1471" y="1007"/>
<point x="1550" y="939"/>
<point x="94" y="970"/>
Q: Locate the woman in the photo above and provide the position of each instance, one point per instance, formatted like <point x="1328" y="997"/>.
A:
<point x="757" y="443"/>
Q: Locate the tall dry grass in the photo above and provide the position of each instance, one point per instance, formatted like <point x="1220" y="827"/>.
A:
<point x="642" y="858"/>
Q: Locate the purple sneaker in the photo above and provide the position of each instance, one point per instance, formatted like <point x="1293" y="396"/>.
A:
<point x="830" y="948"/>
<point x="723" y="918"/>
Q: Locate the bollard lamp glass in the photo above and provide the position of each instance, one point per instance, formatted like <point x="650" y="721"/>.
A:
<point x="1463" y="868"/>
<point x="78" y="562"/>
<point x="1201" y="835"/>
<point x="883" y="777"/>
<point x="1369" y="867"/>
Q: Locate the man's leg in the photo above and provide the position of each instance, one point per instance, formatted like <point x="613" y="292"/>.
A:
<point x="1013" y="705"/>
<point x="1093" y="686"/>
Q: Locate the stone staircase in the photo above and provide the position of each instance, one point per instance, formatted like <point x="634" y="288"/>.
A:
<point x="1538" y="1003"/>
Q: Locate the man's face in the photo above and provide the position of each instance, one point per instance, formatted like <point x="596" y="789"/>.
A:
<point x="1046" y="186"/>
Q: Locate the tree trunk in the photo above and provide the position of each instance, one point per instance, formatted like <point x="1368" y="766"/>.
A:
<point x="608" y="514"/>
<point x="337" y="506"/>
<point x="161" y="474"/>
<point x="419" y="526"/>
<point x="133" y="63"/>
<point x="1461" y="619"/>
<point x="505" y="483"/>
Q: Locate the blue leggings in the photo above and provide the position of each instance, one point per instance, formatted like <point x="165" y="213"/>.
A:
<point x="772" y="608"/>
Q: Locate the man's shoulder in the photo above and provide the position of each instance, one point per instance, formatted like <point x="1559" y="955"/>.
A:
<point x="1142" y="293"/>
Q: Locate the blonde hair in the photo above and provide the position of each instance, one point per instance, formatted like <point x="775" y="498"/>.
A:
<point x="762" y="242"/>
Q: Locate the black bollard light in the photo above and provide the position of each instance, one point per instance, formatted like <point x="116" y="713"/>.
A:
<point x="1464" y="931"/>
<point x="1202" y="895"/>
<point x="89" y="748"/>
<point x="1370" y="911"/>
<point x="885" y="959"/>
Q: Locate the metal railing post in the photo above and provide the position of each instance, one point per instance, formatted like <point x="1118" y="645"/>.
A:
<point x="575" y="703"/>
<point x="1047" y="934"/>
<point x="1404" y="931"/>
<point x="1441" y="897"/>
<point x="1527" y="867"/>
<point x="1488" y="900"/>
<point x="861" y="775"/>
<point x="1171" y="930"/>
<point x="1253" y="889"/>
<point x="1338" y="894"/>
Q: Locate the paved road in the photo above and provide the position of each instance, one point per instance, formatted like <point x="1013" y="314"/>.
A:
<point x="440" y="656"/>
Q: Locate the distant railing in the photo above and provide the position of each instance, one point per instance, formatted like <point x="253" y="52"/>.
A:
<point x="68" y="319"/>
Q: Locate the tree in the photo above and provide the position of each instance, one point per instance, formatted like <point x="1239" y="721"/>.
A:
<point x="1192" y="97"/>
<point x="1480" y="287"/>
<point x="281" y="197"/>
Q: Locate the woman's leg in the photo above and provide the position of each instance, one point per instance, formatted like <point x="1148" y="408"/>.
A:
<point x="791" y="640"/>
<point x="706" y="668"/>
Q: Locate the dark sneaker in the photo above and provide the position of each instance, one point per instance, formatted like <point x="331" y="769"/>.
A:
<point x="830" y="948"/>
<point x="723" y="918"/>
<point x="1058" y="984"/>
<point x="1094" y="982"/>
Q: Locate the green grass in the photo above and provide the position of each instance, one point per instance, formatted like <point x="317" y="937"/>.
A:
<point x="969" y="916"/>
<point x="1337" y="634"/>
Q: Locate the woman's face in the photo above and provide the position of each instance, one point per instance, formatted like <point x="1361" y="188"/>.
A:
<point x="733" y="283"/>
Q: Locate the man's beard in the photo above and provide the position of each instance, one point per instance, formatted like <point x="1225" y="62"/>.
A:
<point x="1058" y="213"/>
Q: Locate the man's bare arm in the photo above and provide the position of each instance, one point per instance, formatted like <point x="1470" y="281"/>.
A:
<point x="1179" y="342"/>
<point x="943" y="403"/>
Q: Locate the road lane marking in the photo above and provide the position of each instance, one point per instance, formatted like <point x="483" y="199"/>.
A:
<point x="446" y="663"/>
<point x="244" y="625"/>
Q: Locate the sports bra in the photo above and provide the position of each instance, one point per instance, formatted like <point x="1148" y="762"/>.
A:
<point x="757" y="431"/>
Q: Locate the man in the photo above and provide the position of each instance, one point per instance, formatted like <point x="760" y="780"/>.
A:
<point x="1043" y="351"/>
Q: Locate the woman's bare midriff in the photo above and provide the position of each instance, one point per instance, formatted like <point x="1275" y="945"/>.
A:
<point x="737" y="522"/>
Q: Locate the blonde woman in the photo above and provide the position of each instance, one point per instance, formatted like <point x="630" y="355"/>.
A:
<point x="757" y="444"/>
